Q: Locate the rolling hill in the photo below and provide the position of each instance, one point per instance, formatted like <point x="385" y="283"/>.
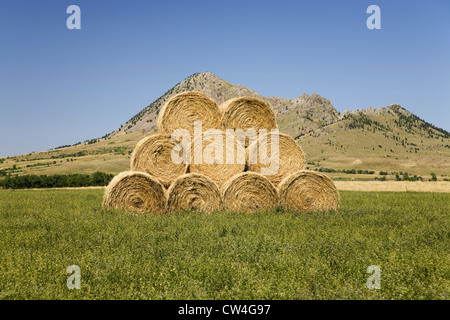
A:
<point x="353" y="144"/>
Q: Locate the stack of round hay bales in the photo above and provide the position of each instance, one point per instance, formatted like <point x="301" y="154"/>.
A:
<point x="218" y="171"/>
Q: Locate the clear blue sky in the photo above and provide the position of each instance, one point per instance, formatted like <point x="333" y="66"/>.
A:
<point x="60" y="86"/>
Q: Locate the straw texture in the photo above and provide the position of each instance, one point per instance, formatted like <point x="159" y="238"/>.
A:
<point x="308" y="191"/>
<point x="214" y="165"/>
<point x="290" y="157"/>
<point x="194" y="191"/>
<point x="247" y="113"/>
<point x="249" y="192"/>
<point x="135" y="192"/>
<point x="183" y="109"/>
<point x="153" y="156"/>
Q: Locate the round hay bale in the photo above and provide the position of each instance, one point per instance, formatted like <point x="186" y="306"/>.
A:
<point x="249" y="192"/>
<point x="287" y="158"/>
<point x="247" y="113"/>
<point x="219" y="162"/>
<point x="153" y="156"/>
<point x="193" y="191"/>
<point x="183" y="109"/>
<point x="308" y="191"/>
<point x="135" y="192"/>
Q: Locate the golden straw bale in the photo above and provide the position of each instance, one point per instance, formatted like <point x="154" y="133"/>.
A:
<point x="247" y="113"/>
<point x="287" y="158"/>
<point x="183" y="109"/>
<point x="215" y="165"/>
<point x="308" y="191"/>
<point x="194" y="191"/>
<point x="153" y="156"/>
<point x="135" y="192"/>
<point x="249" y="192"/>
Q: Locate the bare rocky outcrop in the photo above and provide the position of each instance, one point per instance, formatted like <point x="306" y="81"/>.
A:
<point x="306" y="112"/>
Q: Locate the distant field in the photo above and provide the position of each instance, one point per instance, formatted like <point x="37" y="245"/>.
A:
<point x="266" y="255"/>
<point x="423" y="186"/>
<point x="417" y="186"/>
<point x="112" y="155"/>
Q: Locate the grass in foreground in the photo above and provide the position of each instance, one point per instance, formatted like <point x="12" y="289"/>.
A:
<point x="267" y="255"/>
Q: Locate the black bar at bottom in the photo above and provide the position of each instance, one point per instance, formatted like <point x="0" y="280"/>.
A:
<point x="224" y="309"/>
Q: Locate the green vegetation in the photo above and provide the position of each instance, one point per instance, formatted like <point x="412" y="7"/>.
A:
<point x="266" y="255"/>
<point x="406" y="177"/>
<point x="40" y="164"/>
<point x="349" y="171"/>
<point x="56" y="181"/>
<point x="115" y="150"/>
<point x="361" y="121"/>
<point x="387" y="140"/>
<point x="410" y="121"/>
<point x="406" y="121"/>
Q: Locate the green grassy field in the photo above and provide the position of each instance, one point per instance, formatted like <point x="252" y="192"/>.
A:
<point x="190" y="255"/>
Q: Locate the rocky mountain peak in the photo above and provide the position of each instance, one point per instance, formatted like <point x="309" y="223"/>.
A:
<point x="295" y="116"/>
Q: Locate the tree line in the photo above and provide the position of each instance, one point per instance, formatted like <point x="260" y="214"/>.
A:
<point x="56" y="180"/>
<point x="347" y="171"/>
